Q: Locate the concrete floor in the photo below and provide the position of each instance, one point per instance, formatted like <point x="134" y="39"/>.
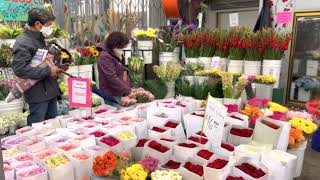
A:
<point x="311" y="165"/>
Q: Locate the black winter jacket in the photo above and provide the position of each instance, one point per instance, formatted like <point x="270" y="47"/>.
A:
<point x="24" y="49"/>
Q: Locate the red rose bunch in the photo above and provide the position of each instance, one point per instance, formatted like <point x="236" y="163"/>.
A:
<point x="218" y="164"/>
<point x="234" y="178"/>
<point x="172" y="165"/>
<point x="187" y="145"/>
<point x="171" y="124"/>
<point x="200" y="133"/>
<point x="157" y="146"/>
<point x="142" y="142"/>
<point x="199" y="140"/>
<point x="205" y="154"/>
<point x="273" y="44"/>
<point x="246" y="132"/>
<point x="110" y="141"/>
<point x="227" y="147"/>
<point x="269" y="124"/>
<point x="98" y="134"/>
<point x="168" y="140"/>
<point x="251" y="170"/>
<point x="195" y="168"/>
<point x="157" y="129"/>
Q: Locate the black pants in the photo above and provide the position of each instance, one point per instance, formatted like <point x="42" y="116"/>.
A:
<point x="42" y="111"/>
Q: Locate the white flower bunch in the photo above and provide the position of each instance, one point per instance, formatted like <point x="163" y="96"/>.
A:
<point x="165" y="175"/>
<point x="12" y="122"/>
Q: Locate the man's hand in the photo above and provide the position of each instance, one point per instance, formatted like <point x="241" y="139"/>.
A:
<point x="54" y="71"/>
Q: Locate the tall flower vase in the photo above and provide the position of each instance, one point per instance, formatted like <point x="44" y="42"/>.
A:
<point x="235" y="66"/>
<point x="206" y="61"/>
<point x="299" y="152"/>
<point x="272" y="68"/>
<point x="170" y="88"/>
<point x="192" y="60"/>
<point x="145" y="50"/>
<point x="165" y="57"/>
<point x="252" y="68"/>
<point x="264" y="91"/>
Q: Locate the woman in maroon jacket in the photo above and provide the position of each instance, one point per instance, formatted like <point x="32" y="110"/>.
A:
<point x="113" y="74"/>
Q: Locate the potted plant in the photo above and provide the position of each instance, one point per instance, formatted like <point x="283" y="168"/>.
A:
<point x="253" y="54"/>
<point x="264" y="86"/>
<point x="84" y="58"/>
<point x="9" y="34"/>
<point x="207" y="40"/>
<point x="145" y="43"/>
<point x="168" y="43"/>
<point x="237" y="49"/>
<point x="222" y="50"/>
<point x="191" y="45"/>
<point x="136" y="68"/>
<point x="274" y="47"/>
<point x="168" y="73"/>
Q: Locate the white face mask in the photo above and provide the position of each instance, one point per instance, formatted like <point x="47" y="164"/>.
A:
<point x="46" y="31"/>
<point x="119" y="52"/>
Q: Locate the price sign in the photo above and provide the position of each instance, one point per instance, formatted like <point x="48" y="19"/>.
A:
<point x="79" y="91"/>
<point x="234" y="19"/>
<point x="213" y="125"/>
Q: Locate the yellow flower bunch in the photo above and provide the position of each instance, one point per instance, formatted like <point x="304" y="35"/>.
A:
<point x="134" y="172"/>
<point x="146" y="35"/>
<point x="200" y="73"/>
<point x="64" y="55"/>
<point x="93" y="51"/>
<point x="265" y="80"/>
<point x="275" y="107"/>
<point x="307" y="126"/>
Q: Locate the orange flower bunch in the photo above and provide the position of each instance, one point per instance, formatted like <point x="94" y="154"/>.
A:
<point x="251" y="111"/>
<point x="295" y="138"/>
<point x="105" y="165"/>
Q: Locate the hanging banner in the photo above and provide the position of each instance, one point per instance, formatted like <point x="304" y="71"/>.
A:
<point x="213" y="125"/>
<point x="17" y="10"/>
<point x="79" y="92"/>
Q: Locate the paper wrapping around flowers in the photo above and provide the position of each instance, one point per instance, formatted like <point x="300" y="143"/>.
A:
<point x="237" y="140"/>
<point x="141" y="129"/>
<point x="281" y="164"/>
<point x="221" y="174"/>
<point x="162" y="157"/>
<point x="156" y="135"/>
<point x="87" y="142"/>
<point x="265" y="134"/>
<point x="183" y="153"/>
<point x="192" y="123"/>
<point x="173" y="111"/>
<point x="178" y="131"/>
<point x="154" y="119"/>
<point x="82" y="168"/>
<point x="129" y="143"/>
<point x="61" y="172"/>
<point x="40" y="176"/>
<point x="238" y="172"/>
<point x="243" y="122"/>
<point x="188" y="175"/>
<point x="250" y="151"/>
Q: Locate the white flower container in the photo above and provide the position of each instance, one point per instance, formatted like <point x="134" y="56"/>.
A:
<point x="192" y="60"/>
<point x="9" y="42"/>
<point x="219" y="63"/>
<point x="127" y="52"/>
<point x="252" y="68"/>
<point x="145" y="50"/>
<point x="84" y="71"/>
<point x="206" y="61"/>
<point x="190" y="79"/>
<point x="235" y="66"/>
<point x="264" y="91"/>
<point x="15" y="106"/>
<point x="299" y="153"/>
<point x="201" y="79"/>
<point x="165" y="57"/>
<point x="170" y="88"/>
<point x="272" y="68"/>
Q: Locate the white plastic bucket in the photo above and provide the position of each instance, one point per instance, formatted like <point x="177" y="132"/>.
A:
<point x="272" y="68"/>
<point x="177" y="53"/>
<point x="206" y="61"/>
<point x="312" y="68"/>
<point x="299" y="152"/>
<point x="252" y="68"/>
<point x="165" y="57"/>
<point x="218" y="63"/>
<point x="9" y="42"/>
<point x="15" y="106"/>
<point x="170" y="88"/>
<point x="96" y="74"/>
<point x="145" y="50"/>
<point x="201" y="79"/>
<point x="264" y="91"/>
<point x="190" y="79"/>
<point x="235" y="66"/>
<point x="84" y="71"/>
<point x="192" y="60"/>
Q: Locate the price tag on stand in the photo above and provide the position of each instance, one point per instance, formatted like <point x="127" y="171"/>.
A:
<point x="79" y="91"/>
<point x="234" y="19"/>
<point x="214" y="120"/>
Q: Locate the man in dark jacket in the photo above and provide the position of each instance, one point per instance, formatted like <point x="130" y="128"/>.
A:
<point x="42" y="97"/>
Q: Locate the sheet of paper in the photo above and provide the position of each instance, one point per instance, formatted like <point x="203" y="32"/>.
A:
<point x="234" y="19"/>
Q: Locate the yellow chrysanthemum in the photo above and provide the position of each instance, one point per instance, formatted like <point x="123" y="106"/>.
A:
<point x="275" y="107"/>
<point x="296" y="122"/>
<point x="309" y="127"/>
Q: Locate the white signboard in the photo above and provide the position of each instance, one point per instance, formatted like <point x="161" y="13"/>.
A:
<point x="214" y="121"/>
<point x="234" y="19"/>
